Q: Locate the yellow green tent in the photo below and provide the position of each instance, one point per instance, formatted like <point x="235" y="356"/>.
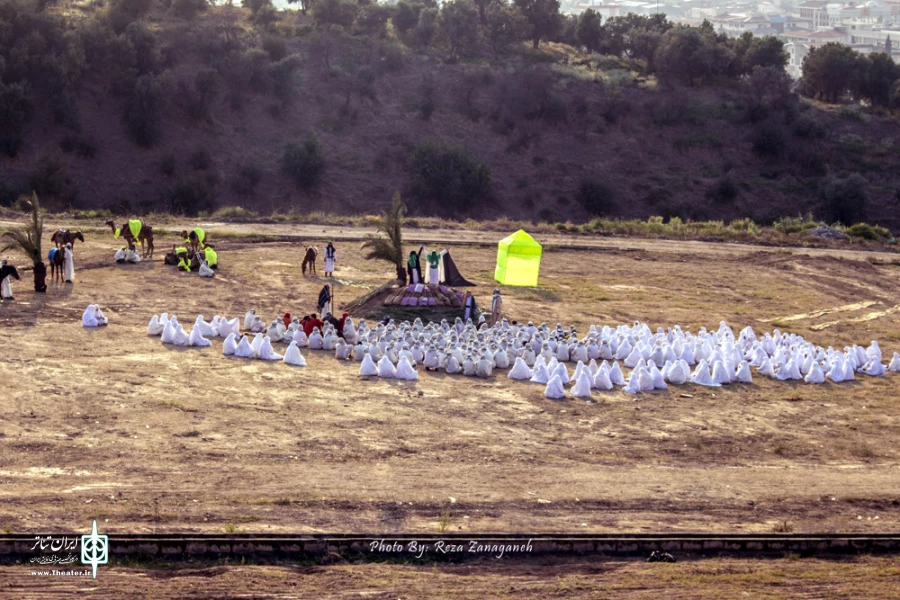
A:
<point x="518" y="260"/>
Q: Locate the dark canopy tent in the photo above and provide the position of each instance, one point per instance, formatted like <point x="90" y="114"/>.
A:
<point x="450" y="275"/>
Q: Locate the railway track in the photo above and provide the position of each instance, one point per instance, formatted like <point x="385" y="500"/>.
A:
<point x="248" y="547"/>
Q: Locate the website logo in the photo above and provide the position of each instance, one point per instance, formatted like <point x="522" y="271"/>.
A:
<point x="94" y="549"/>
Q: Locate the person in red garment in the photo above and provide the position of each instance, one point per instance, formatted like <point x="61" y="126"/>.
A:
<point x="311" y="324"/>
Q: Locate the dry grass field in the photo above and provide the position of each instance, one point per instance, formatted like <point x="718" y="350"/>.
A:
<point x="113" y="425"/>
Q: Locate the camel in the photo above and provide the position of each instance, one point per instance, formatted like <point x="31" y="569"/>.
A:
<point x="196" y="240"/>
<point x="145" y="235"/>
<point x="310" y="260"/>
<point x="55" y="256"/>
<point x="61" y="237"/>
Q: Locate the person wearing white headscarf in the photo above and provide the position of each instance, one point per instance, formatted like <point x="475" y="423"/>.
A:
<point x="68" y="264"/>
<point x="93" y="317"/>
<point x="293" y="356"/>
<point x="405" y="370"/>
<point x="5" y="285"/>
<point x="197" y="338"/>
<point x="266" y="351"/>
<point x="555" y="389"/>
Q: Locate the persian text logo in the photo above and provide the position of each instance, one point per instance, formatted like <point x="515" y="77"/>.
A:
<point x="94" y="549"/>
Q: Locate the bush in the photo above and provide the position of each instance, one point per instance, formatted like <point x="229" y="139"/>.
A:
<point x="167" y="164"/>
<point x="51" y="178"/>
<point x="844" y="198"/>
<point x="304" y="163"/>
<point x="84" y="147"/>
<point x="188" y="9"/>
<point x="768" y="142"/>
<point x="274" y="46"/>
<point x="427" y="97"/>
<point x="446" y="180"/>
<point x="247" y="179"/>
<point x="723" y="191"/>
<point x="191" y="196"/>
<point x="807" y="127"/>
<point x="8" y="194"/>
<point x="596" y="197"/>
<point x="121" y="13"/>
<point x="864" y="231"/>
<point x="200" y="160"/>
<point x="143" y="112"/>
<point x="235" y="212"/>
<point x="15" y="109"/>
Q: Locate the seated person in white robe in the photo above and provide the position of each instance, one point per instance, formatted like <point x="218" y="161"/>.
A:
<point x="93" y="317"/>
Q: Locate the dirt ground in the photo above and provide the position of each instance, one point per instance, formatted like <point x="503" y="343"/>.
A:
<point x="111" y="424"/>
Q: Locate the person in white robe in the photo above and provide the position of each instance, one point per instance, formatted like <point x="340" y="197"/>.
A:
<point x="330" y="257"/>
<point x="452" y="367"/>
<point x="155" y="328"/>
<point x="405" y="370"/>
<point x="227" y="328"/>
<point x="540" y="374"/>
<point x="367" y="367"/>
<point x="244" y="349"/>
<point x="93" y="317"/>
<point x="555" y="389"/>
<point x="249" y="318"/>
<point x="256" y="344"/>
<point x="182" y="338"/>
<point x="229" y="345"/>
<point x="266" y="351"/>
<point x="197" y="338"/>
<point x="520" y="370"/>
<point x="386" y="368"/>
<point x="582" y="387"/>
<point x="293" y="357"/>
<point x="894" y="366"/>
<point x="131" y="255"/>
<point x="68" y="264"/>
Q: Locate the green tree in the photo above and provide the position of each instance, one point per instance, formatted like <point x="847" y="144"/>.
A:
<point x="752" y="51"/>
<point x="407" y="16"/>
<point x="27" y="239"/>
<point x="446" y="180"/>
<point x="879" y="76"/>
<point x="589" y="31"/>
<point x="543" y="17"/>
<point x="458" y="25"/>
<point x="144" y="110"/>
<point x="388" y="246"/>
<point x="504" y="25"/>
<point x="335" y="12"/>
<point x="831" y="71"/>
<point x="304" y="163"/>
<point x="427" y="26"/>
<point x="688" y="54"/>
<point x="895" y="95"/>
<point x="844" y="198"/>
<point x="15" y="109"/>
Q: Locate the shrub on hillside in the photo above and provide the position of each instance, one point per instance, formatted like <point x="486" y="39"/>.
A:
<point x="167" y="164"/>
<point x="844" y="198"/>
<point x="247" y="179"/>
<point x="723" y="191"/>
<point x="275" y="46"/>
<point x="427" y="97"/>
<point x="50" y="178"/>
<point x="807" y="127"/>
<point x="188" y="9"/>
<point x="304" y="163"/>
<point x="143" y="111"/>
<point x="596" y="197"/>
<point x="864" y="231"/>
<point x="121" y="13"/>
<point x="768" y="141"/>
<point x="446" y="180"/>
<point x="82" y="146"/>
<point x="15" y="109"/>
<point x="8" y="194"/>
<point x="200" y="160"/>
<point x="191" y="196"/>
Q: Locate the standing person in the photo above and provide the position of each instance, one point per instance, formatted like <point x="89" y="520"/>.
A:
<point x="324" y="305"/>
<point x="7" y="272"/>
<point x="434" y="267"/>
<point x="40" y="272"/>
<point x="469" y="305"/>
<point x="496" y="307"/>
<point x="330" y="256"/>
<point x="68" y="264"/>
<point x="414" y="267"/>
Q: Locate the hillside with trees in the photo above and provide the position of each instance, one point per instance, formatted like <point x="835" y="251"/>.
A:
<point x="469" y="109"/>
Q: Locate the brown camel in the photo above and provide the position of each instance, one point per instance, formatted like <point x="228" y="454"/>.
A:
<point x="55" y="257"/>
<point x="310" y="260"/>
<point x="145" y="235"/>
<point x="61" y="237"/>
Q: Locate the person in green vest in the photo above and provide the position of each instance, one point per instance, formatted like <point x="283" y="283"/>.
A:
<point x="413" y="267"/>
<point x="212" y="259"/>
<point x="183" y="263"/>
<point x="434" y="267"/>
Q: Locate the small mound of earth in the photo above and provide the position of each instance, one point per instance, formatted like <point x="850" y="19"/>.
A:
<point x="827" y="233"/>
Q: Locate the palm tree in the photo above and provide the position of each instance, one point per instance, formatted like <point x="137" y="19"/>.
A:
<point x="389" y="246"/>
<point x="28" y="238"/>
